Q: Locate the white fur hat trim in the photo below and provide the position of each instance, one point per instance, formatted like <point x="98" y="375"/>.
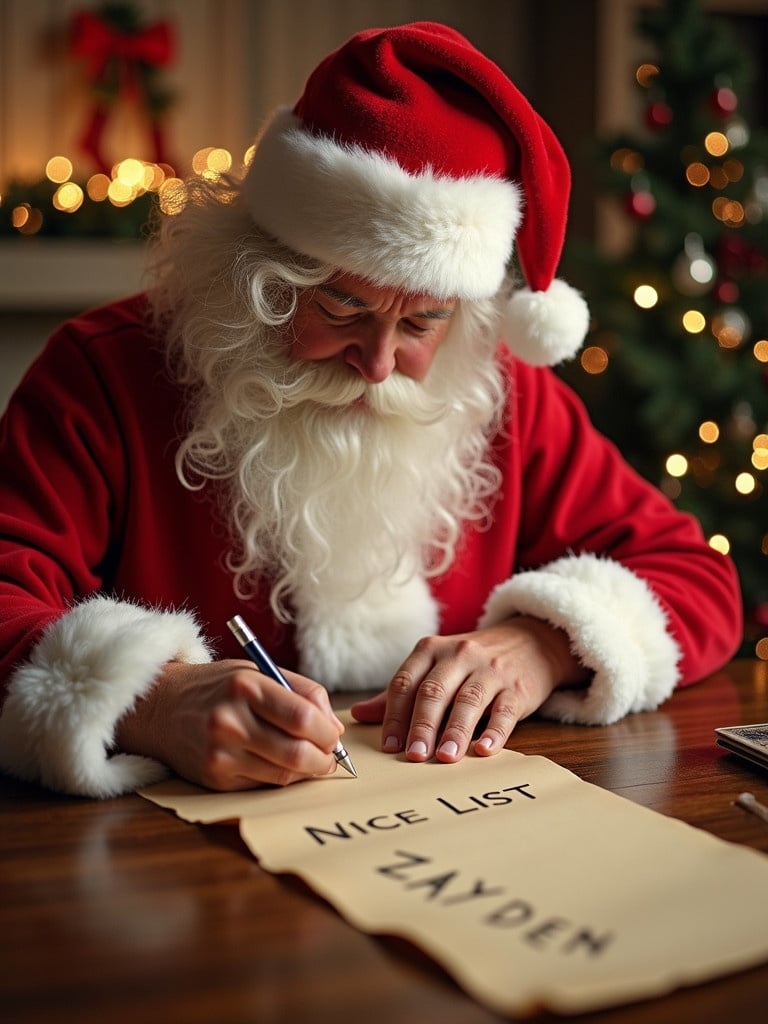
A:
<point x="82" y="676"/>
<point x="362" y="213"/>
<point x="616" y="626"/>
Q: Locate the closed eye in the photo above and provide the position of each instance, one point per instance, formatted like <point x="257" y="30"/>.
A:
<point x="337" y="318"/>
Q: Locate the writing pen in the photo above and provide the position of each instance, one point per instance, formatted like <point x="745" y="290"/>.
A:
<point x="264" y="663"/>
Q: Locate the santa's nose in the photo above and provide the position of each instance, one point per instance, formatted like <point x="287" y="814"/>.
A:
<point x="374" y="356"/>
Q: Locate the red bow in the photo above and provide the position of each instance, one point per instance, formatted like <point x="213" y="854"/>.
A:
<point x="97" y="41"/>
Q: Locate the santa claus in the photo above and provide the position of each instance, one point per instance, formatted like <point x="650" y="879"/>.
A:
<point x="332" y="412"/>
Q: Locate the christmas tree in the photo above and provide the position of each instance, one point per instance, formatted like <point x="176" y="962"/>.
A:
<point x="675" y="369"/>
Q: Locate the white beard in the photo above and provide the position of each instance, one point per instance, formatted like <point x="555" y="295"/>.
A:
<point x="348" y="508"/>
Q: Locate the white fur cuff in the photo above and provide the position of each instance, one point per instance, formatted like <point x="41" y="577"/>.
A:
<point x="616" y="627"/>
<point x="86" y="671"/>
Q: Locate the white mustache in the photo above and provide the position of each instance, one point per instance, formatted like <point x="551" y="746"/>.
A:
<point x="337" y="387"/>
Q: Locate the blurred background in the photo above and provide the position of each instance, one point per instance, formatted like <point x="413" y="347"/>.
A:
<point x="661" y="105"/>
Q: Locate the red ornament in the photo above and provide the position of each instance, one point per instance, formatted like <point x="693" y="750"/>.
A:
<point x="726" y="292"/>
<point x="640" y="204"/>
<point x="658" y="115"/>
<point x="723" y="101"/>
<point x="760" y="614"/>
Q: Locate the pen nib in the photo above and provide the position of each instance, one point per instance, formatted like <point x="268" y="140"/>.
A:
<point x="342" y="758"/>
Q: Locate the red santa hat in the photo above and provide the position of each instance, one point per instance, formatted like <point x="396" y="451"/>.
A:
<point x="411" y="160"/>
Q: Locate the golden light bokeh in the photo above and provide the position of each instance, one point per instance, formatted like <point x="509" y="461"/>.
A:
<point x="697" y="174"/>
<point x="694" y="321"/>
<point x="129" y="172"/>
<point x="646" y="296"/>
<point x="58" y="169"/>
<point x="97" y="187"/>
<point x="627" y="160"/>
<point x="716" y="144"/>
<point x="745" y="483"/>
<point x="676" y="464"/>
<point x="729" y="211"/>
<point x="594" y="360"/>
<point x="709" y="432"/>
<point x="720" y="543"/>
<point x="68" y="197"/>
<point x="645" y="75"/>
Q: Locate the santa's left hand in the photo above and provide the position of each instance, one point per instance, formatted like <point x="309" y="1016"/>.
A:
<point x="506" y="672"/>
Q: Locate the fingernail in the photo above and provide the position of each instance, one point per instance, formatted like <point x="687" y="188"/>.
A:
<point x="391" y="745"/>
<point x="450" y="748"/>
<point x="486" y="742"/>
<point x="418" y="747"/>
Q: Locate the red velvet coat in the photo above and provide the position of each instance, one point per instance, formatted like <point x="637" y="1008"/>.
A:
<point x="90" y="505"/>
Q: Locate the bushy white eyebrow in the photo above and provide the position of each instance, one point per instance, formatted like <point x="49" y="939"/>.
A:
<point x="344" y="299"/>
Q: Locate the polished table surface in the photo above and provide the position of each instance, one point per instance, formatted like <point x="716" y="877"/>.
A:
<point x="118" y="911"/>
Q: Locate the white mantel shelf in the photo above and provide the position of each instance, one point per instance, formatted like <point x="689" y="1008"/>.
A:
<point x="52" y="274"/>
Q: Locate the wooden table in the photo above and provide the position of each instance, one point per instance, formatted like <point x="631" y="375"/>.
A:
<point x="117" y="911"/>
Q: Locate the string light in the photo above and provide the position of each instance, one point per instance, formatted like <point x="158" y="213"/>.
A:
<point x="759" y="457"/>
<point x="646" y="296"/>
<point x="734" y="169"/>
<point x="128" y="180"/>
<point x="97" y="187"/>
<point x="720" y="543"/>
<point x="760" y="351"/>
<point x="716" y="144"/>
<point x="676" y="465"/>
<point x="718" y="178"/>
<point x="58" y="169"/>
<point x="694" y="322"/>
<point x="120" y="194"/>
<point x="130" y="173"/>
<point x="730" y="327"/>
<point x="697" y="174"/>
<point x="671" y="487"/>
<point x="709" y="432"/>
<point x="761" y="648"/>
<point x="68" y="197"/>
<point x="594" y="360"/>
<point x="729" y="211"/>
<point x="627" y="160"/>
<point x="745" y="483"/>
<point x="646" y="74"/>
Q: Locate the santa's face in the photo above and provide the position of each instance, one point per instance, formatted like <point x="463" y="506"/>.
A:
<point x="375" y="331"/>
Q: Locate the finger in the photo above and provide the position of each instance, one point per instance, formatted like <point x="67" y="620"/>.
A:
<point x="227" y="771"/>
<point x="287" y="712"/>
<point x="317" y="694"/>
<point x="257" y="750"/>
<point x="470" y="706"/>
<point x="371" y="710"/>
<point x="472" y="696"/>
<point x="505" y="714"/>
<point x="402" y="694"/>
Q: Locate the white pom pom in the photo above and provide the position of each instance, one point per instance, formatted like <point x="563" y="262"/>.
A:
<point x="545" y="328"/>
